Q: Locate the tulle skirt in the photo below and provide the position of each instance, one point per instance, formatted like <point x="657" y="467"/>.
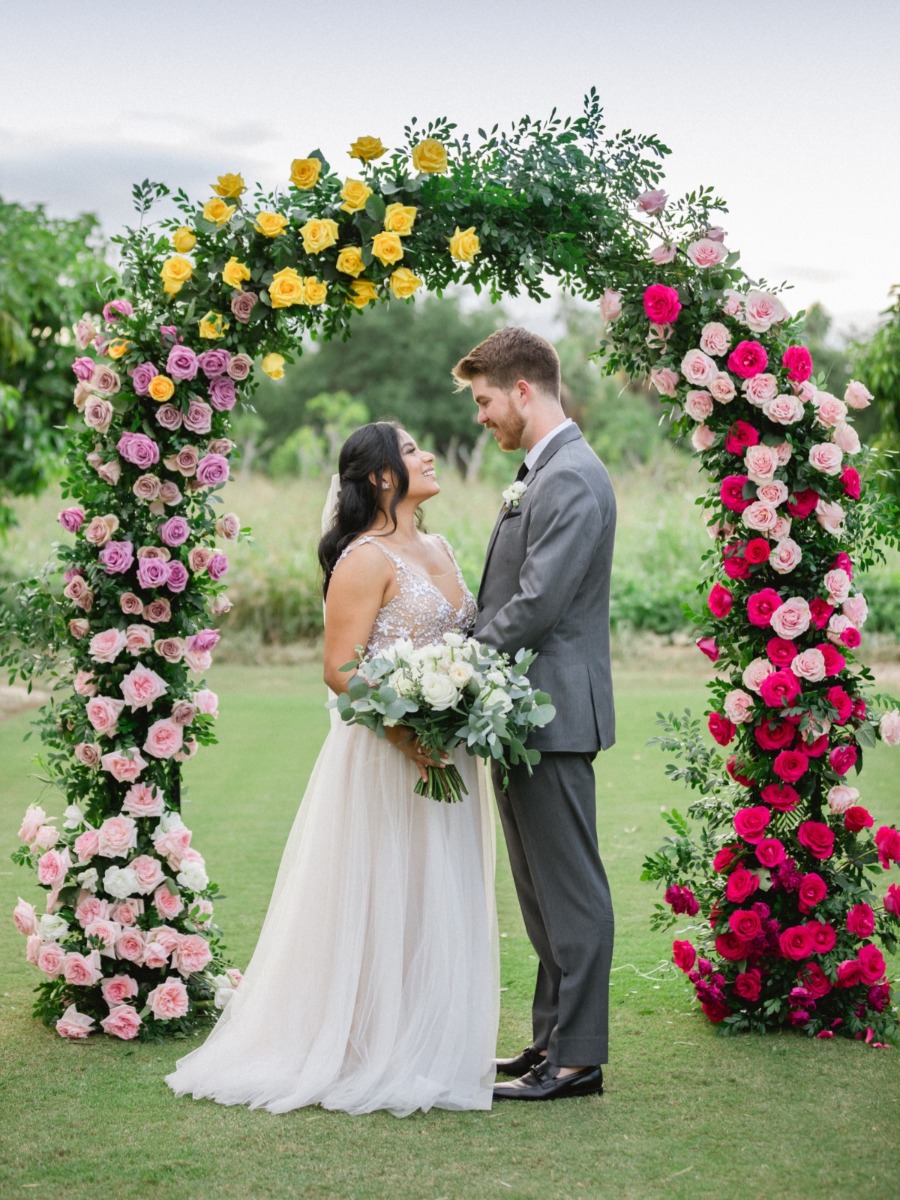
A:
<point x="374" y="984"/>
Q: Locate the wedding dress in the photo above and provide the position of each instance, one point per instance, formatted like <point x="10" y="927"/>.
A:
<point x="374" y="983"/>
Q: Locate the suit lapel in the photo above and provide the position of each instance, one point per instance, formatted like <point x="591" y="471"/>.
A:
<point x="570" y="434"/>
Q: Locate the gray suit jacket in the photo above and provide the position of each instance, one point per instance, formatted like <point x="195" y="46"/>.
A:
<point x="545" y="586"/>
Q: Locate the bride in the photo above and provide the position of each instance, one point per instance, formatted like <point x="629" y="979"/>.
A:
<point x="374" y="983"/>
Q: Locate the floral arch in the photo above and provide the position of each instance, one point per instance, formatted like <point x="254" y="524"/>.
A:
<point x="781" y="867"/>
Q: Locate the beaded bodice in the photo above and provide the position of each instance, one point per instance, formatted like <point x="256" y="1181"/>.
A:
<point x="420" y="611"/>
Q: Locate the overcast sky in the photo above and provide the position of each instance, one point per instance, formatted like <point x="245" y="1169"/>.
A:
<point x="789" y="108"/>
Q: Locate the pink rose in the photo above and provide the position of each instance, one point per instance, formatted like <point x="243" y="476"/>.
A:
<point x="138" y="449"/>
<point x="106" y="646"/>
<point x="217" y="566"/>
<point x="792" y="618"/>
<point x="760" y="463"/>
<point x="208" y="702"/>
<point x="715" y="338"/>
<point x="748" y="359"/>
<point x="182" y="363"/>
<point x="158" y="612"/>
<point x="774" y="492"/>
<point x="142" y="688"/>
<point x="71" y="519"/>
<point x="706" y="253"/>
<point x="86" y="845"/>
<point x="138" y="638"/>
<point x="25" y="918"/>
<point x="130" y="945"/>
<point x="760" y="388"/>
<point x="829" y="410"/>
<point x="857" y="395"/>
<point x="168" y="903"/>
<point x="698" y="405"/>
<point x="148" y="872"/>
<point x="698" y="368"/>
<point x="171" y="649"/>
<point x="169" y="1000"/>
<point x="826" y="457"/>
<point x="84" y="683"/>
<point x="164" y="738"/>
<point x="82" y="970"/>
<point x="664" y="379"/>
<point x="123" y="766"/>
<point x="117" y="836"/>
<point x="661" y="303"/>
<point x="846" y="438"/>
<point x="738" y="707"/>
<point x="856" y="610"/>
<point x="785" y="556"/>
<point x="809" y="665"/>
<point x="141" y="377"/>
<point x="652" y="201"/>
<point x="155" y="956"/>
<point x="241" y="364"/>
<point x="141" y="800"/>
<point x="103" y="712"/>
<point x="611" y="305"/>
<point x="115" y="309"/>
<point x="73" y="1024"/>
<point x="663" y="253"/>
<point x="755" y="672"/>
<point x="53" y="866"/>
<point x="117" y="557"/>
<point x="762" y="310"/>
<point x="131" y="605"/>
<point x="783" y="409"/>
<point x="123" y="1022"/>
<point x="703" y="438"/>
<point x="191" y="954"/>
<point x="722" y="388"/>
<point x="117" y="989"/>
<point x="759" y="516"/>
<point x="33" y="820"/>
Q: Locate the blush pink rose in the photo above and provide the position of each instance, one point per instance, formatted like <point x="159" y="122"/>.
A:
<point x="169" y="1000"/>
<point x="698" y="405"/>
<point x="715" y="338"/>
<point x="141" y="800"/>
<point x="207" y="702"/>
<point x="762" y="310"/>
<point x="25" y="918"/>
<point x="155" y="956"/>
<point x="889" y="727"/>
<point x="652" y="201"/>
<point x="164" y="738"/>
<point x="124" y="766"/>
<point x="760" y="463"/>
<point x="829" y="410"/>
<point x="857" y="395"/>
<point x="611" y="305"/>
<point x="192" y="954"/>
<point x="698" y="368"/>
<point x="84" y="684"/>
<point x="130" y="945"/>
<point x="792" y="618"/>
<point x="142" y="687"/>
<point x="126" y="912"/>
<point x="846" y="438"/>
<point x="107" y="645"/>
<point x="167" y="903"/>
<point x="759" y="516"/>
<point x="138" y="638"/>
<point x="785" y="556"/>
<point x="117" y="989"/>
<point x="103" y="712"/>
<point x="760" y="388"/>
<point x="774" y="492"/>
<point x="706" y="253"/>
<point x="148" y="872"/>
<point x="123" y="1022"/>
<point x="837" y="584"/>
<point x="783" y="409"/>
<point x="51" y="959"/>
<point x="53" y="866"/>
<point x="73" y="1024"/>
<point x="826" y="457"/>
<point x="82" y="970"/>
<point x="158" y="612"/>
<point x="722" y="388"/>
<point x="738" y="706"/>
<point x="167" y="937"/>
<point x="755" y="672"/>
<point x="702" y="438"/>
<point x="34" y="818"/>
<point x="106" y="932"/>
<point x="117" y="836"/>
<point x="809" y="665"/>
<point x="86" y="845"/>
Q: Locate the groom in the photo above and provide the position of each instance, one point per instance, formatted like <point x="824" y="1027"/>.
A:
<point x="545" y="586"/>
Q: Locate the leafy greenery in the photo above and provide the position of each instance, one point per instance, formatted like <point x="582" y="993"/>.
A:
<point x="877" y="361"/>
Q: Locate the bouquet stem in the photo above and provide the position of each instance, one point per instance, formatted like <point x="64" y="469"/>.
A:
<point x="443" y="783"/>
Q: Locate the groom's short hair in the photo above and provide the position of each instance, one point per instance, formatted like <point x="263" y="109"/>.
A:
<point x="508" y="355"/>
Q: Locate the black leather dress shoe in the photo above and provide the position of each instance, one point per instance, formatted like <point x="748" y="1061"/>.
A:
<point x="545" y="1083"/>
<point x="521" y="1064"/>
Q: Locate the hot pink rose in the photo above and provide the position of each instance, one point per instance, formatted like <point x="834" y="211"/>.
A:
<point x="748" y="359"/>
<point x="123" y="1022"/>
<point x="731" y="492"/>
<point x="780" y="689"/>
<point x="169" y="1000"/>
<point x="842" y="758"/>
<point x="798" y="364"/>
<point x="861" y="921"/>
<point x="817" y="838"/>
<point x="795" y="942"/>
<point x="73" y="1024"/>
<point x="761" y="606"/>
<point x="750" y="823"/>
<point x="661" y="303"/>
<point x="790" y="765"/>
<point x="164" y="738"/>
<point x="720" y="601"/>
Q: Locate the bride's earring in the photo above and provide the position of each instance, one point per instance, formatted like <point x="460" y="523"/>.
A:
<point x="385" y="487"/>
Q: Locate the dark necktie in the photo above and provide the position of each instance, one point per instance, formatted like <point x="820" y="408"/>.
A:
<point x="522" y="472"/>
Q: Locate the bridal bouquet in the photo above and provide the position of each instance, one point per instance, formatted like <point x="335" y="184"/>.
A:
<point x="457" y="692"/>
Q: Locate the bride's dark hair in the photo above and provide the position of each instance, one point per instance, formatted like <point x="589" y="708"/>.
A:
<point x="370" y="450"/>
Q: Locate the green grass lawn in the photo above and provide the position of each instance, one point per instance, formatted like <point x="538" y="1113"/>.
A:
<point x="686" y="1113"/>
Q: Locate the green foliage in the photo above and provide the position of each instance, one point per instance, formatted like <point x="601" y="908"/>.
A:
<point x="877" y="363"/>
<point x="51" y="271"/>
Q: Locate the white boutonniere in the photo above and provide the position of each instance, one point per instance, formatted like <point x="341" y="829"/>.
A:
<point x="513" y="494"/>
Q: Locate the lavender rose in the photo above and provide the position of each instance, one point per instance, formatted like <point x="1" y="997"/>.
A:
<point x="222" y="395"/>
<point x="175" y="531"/>
<point x="71" y="519"/>
<point x="169" y="417"/>
<point x="217" y="565"/>
<point x="98" y="414"/>
<point x="141" y="376"/>
<point x="182" y="363"/>
<point x="152" y="573"/>
<point x="117" y="557"/>
<point x="198" y="418"/>
<point x="138" y="449"/>
<point x="214" y="362"/>
<point x="177" y="575"/>
<point x="242" y="305"/>
<point x="212" y="470"/>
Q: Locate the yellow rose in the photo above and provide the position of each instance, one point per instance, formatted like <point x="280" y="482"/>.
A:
<point x="175" y="272"/>
<point x="464" y="245"/>
<point x="161" y="388"/>
<point x="235" y="274"/>
<point x="184" y="239"/>
<point x="319" y="235"/>
<point x="213" y="326"/>
<point x="387" y="248"/>
<point x="314" y="290"/>
<point x="355" y="193"/>
<point x="286" y="288"/>
<point x="404" y="283"/>
<point x="430" y="155"/>
<point x="305" y="172"/>
<point x="367" y="148"/>
<point x="229" y="186"/>
<point x="217" y="211"/>
<point x="273" y="365"/>
<point x="362" y="292"/>
<point x="350" y="261"/>
<point x="399" y="219"/>
<point x="270" y="225"/>
<point x="117" y="348"/>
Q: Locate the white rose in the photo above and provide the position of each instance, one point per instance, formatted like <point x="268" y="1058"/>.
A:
<point x="193" y="877"/>
<point x="841" y="797"/>
<point x="454" y="639"/>
<point x="460" y="674"/>
<point x="73" y="817"/>
<point x="439" y="691"/>
<point x="401" y="683"/>
<point x="88" y="879"/>
<point x="169" y="821"/>
<point x="52" y="927"/>
<point x="120" y="882"/>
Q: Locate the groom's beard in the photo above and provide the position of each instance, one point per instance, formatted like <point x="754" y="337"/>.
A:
<point x="508" y="432"/>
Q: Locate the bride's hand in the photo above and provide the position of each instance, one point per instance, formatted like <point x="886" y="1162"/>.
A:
<point x="407" y="743"/>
